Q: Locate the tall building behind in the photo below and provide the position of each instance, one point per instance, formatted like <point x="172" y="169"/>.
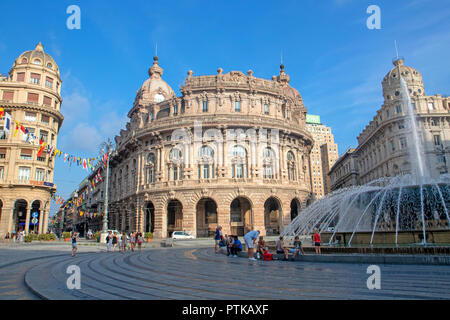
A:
<point x="323" y="155"/>
<point x="384" y="144"/>
<point x="31" y="95"/>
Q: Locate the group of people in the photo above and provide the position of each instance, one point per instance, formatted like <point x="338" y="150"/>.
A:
<point x="15" y="236"/>
<point x="124" y="241"/>
<point x="234" y="245"/>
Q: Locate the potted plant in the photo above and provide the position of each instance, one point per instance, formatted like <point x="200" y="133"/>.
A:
<point x="97" y="236"/>
<point x="66" y="236"/>
<point x="28" y="238"/>
<point x="148" y="236"/>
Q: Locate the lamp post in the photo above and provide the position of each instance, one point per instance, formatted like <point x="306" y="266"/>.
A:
<point x="106" y="148"/>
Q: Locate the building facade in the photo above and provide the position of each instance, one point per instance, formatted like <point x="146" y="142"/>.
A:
<point x="323" y="155"/>
<point x="30" y="94"/>
<point x="232" y="150"/>
<point x="344" y="173"/>
<point x="383" y="146"/>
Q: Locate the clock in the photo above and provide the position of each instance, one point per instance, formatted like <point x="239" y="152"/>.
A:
<point x="159" y="98"/>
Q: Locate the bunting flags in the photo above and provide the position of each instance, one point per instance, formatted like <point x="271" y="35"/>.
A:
<point x="2" y="112"/>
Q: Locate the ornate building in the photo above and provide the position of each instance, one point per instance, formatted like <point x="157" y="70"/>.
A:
<point x="231" y="151"/>
<point x="31" y="95"/>
<point x="384" y="143"/>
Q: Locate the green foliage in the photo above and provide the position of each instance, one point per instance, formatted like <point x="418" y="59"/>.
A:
<point x="67" y="235"/>
<point x="148" y="235"/>
<point x="28" y="238"/>
<point x="47" y="237"/>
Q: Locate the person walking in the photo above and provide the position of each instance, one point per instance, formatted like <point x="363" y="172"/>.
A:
<point x="114" y="241"/>
<point x="21" y="236"/>
<point x="250" y="239"/>
<point x="218" y="238"/>
<point x="317" y="240"/>
<point x="132" y="241"/>
<point x="124" y="242"/>
<point x="109" y="240"/>
<point x="74" y="244"/>
<point x="140" y="240"/>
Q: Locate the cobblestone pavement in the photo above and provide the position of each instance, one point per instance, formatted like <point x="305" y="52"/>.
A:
<point x="39" y="271"/>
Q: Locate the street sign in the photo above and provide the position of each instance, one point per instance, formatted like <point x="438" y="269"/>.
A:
<point x="35" y="215"/>
<point x="34" y="221"/>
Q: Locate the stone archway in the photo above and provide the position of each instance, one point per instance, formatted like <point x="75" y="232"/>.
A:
<point x="272" y="216"/>
<point x="206" y="213"/>
<point x="241" y="216"/>
<point x="295" y="208"/>
<point x="149" y="217"/>
<point x="174" y="217"/>
<point x="20" y="215"/>
<point x="35" y="208"/>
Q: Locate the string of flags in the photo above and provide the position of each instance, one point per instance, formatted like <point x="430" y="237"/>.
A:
<point x="86" y="163"/>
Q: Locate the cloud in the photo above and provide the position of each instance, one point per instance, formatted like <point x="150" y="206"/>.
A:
<point x="84" y="137"/>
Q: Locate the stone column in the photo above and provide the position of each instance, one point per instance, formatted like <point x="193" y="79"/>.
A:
<point x="258" y="217"/>
<point x="160" y="222"/>
<point x="45" y="223"/>
<point x="189" y="220"/>
<point x="41" y="217"/>
<point x="5" y="220"/>
<point x="224" y="218"/>
<point x="27" y="221"/>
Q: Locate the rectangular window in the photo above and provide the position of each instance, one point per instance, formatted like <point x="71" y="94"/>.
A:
<point x="387" y="113"/>
<point x="1" y="173"/>
<point x="2" y="153"/>
<point x="24" y="173"/>
<point x="401" y="125"/>
<point x="40" y="174"/>
<point x="8" y="95"/>
<point x="398" y="108"/>
<point x="206" y="171"/>
<point x="42" y="159"/>
<point x="437" y="140"/>
<point x="175" y="173"/>
<point x="237" y="106"/>
<point x="33" y="98"/>
<point x="205" y="106"/>
<point x="430" y="106"/>
<point x="45" y="119"/>
<point x="175" y="110"/>
<point x="26" y="154"/>
<point x="47" y="101"/>
<point x="35" y="78"/>
<point x="30" y="116"/>
<point x="44" y="136"/>
<point x="392" y="145"/>
<point x="266" y="109"/>
<point x="21" y="77"/>
<point x="403" y="143"/>
<point x="49" y="82"/>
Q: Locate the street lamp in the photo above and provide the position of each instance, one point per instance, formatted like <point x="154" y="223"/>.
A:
<point x="106" y="147"/>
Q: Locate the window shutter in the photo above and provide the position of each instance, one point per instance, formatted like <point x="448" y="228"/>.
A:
<point x="33" y="97"/>
<point x="47" y="101"/>
<point x="26" y="152"/>
<point x="35" y="76"/>
<point x="8" y="95"/>
<point x="21" y="77"/>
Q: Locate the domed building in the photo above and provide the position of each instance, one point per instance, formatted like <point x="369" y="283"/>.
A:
<point x="232" y="150"/>
<point x="384" y="144"/>
<point x="31" y="94"/>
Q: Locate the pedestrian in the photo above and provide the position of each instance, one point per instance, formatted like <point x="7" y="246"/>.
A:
<point x="119" y="238"/>
<point x="109" y="239"/>
<point x="7" y="237"/>
<point x="140" y="240"/>
<point x="133" y="241"/>
<point x="124" y="242"/>
<point x="261" y="247"/>
<point x="317" y="240"/>
<point x="114" y="242"/>
<point x="21" y="236"/>
<point x="250" y="239"/>
<point x="217" y="238"/>
<point x="74" y="244"/>
<point x="230" y="243"/>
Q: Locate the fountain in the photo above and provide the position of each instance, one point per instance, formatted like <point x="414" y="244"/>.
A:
<point x="404" y="209"/>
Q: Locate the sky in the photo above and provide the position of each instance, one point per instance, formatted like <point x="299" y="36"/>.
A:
<point x="335" y="61"/>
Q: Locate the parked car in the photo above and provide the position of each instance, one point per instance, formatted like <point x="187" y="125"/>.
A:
<point x="181" y="235"/>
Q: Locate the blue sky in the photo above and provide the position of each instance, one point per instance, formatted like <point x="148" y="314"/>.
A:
<point x="333" y="59"/>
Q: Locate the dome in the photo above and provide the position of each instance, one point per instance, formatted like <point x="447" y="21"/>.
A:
<point x="154" y="89"/>
<point x="37" y="57"/>
<point x="412" y="77"/>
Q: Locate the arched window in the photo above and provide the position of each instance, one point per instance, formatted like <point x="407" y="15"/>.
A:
<point x="175" y="163"/>
<point x="150" y="168"/>
<point x="37" y="61"/>
<point x="24" y="61"/>
<point x="292" y="172"/>
<point x="206" y="163"/>
<point x="269" y="164"/>
<point x="239" y="162"/>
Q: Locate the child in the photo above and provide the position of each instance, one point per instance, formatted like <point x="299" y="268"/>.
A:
<point x="317" y="240"/>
